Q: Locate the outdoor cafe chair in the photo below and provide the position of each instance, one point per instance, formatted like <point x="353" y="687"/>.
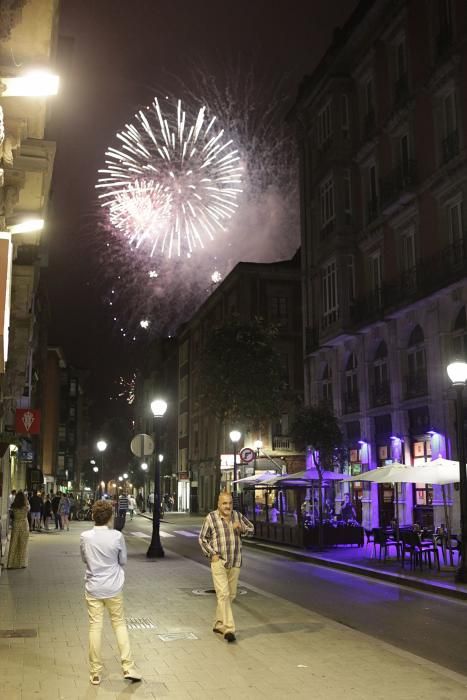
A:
<point x="384" y="541"/>
<point x="419" y="549"/>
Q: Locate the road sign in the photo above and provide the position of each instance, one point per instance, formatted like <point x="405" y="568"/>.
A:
<point x="247" y="454"/>
<point x="142" y="445"/>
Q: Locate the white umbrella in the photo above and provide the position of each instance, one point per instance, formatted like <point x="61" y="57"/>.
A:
<point x="305" y="477"/>
<point x="439" y="471"/>
<point x="258" y="479"/>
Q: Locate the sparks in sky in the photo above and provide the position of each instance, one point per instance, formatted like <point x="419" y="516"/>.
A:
<point x="173" y="181"/>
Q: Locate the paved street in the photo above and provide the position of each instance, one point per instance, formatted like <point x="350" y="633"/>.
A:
<point x="284" y="647"/>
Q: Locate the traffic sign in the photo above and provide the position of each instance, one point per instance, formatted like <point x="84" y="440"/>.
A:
<point x="247" y="454"/>
<point x="142" y="445"/>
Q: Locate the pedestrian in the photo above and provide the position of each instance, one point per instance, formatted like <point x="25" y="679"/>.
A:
<point x="103" y="550"/>
<point x="55" y="504"/>
<point x="131" y="505"/>
<point x="151" y="501"/>
<point x="18" y="550"/>
<point x="220" y="540"/>
<point x="36" y="507"/>
<point x="46" y="512"/>
<point x="64" y="511"/>
<point x="140" y="502"/>
<point x="72" y="501"/>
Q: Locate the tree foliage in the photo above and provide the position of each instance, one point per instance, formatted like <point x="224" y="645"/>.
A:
<point x="316" y="427"/>
<point x="241" y="372"/>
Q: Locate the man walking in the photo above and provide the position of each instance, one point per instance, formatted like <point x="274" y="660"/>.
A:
<point x="103" y="550"/>
<point x="123" y="506"/>
<point x="220" y="540"/>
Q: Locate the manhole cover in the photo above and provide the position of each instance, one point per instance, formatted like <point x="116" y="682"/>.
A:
<point x="176" y="636"/>
<point x="211" y="591"/>
<point x="8" y="634"/>
<point x="140" y="623"/>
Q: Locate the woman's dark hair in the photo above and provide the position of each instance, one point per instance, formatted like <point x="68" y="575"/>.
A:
<point x="20" y="500"/>
<point x="102" y="511"/>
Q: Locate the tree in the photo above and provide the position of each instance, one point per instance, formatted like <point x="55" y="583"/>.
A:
<point x="241" y="374"/>
<point x="316" y="429"/>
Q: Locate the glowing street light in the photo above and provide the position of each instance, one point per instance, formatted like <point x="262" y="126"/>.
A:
<point x="144" y="467"/>
<point x="235" y="436"/>
<point x="101" y="446"/>
<point x="457" y="373"/>
<point x="34" y="83"/>
<point x="125" y="475"/>
<point x="158" y="408"/>
<point x="27" y="226"/>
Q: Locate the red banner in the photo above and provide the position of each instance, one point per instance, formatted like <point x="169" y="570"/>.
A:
<point x="27" y="421"/>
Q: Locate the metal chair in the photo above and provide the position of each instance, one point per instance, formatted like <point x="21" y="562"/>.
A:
<point x="384" y="541"/>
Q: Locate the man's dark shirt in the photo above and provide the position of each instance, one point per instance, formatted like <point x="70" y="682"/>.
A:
<point x="36" y="504"/>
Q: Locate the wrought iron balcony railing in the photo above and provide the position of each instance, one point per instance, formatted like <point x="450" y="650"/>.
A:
<point x="416" y="385"/>
<point x="380" y="394"/>
<point x="351" y="401"/>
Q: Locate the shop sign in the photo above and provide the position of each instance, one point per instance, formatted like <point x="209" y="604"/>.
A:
<point x="27" y="421"/>
<point x="183" y="476"/>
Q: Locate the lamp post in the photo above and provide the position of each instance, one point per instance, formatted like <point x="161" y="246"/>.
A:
<point x="235" y="436"/>
<point x="144" y="467"/>
<point x="158" y="408"/>
<point x="95" y="469"/>
<point x="457" y="372"/>
<point x="101" y="446"/>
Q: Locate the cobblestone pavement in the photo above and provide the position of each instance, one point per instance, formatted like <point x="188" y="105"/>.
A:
<point x="282" y="650"/>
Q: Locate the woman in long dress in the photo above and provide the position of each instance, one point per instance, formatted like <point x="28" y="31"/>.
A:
<point x="18" y="551"/>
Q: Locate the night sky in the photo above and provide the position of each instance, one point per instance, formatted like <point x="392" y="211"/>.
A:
<point x="124" y="52"/>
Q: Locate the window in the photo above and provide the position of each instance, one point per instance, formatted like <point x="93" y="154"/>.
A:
<point x="401" y="59"/>
<point x="183" y="353"/>
<point x="329" y="294"/>
<point x="408" y="259"/>
<point x="183" y="460"/>
<point x="327" y="203"/>
<point x="455" y="221"/>
<point x="369" y="101"/>
<point x="279" y="309"/>
<point x="324" y="124"/>
<point x="326" y="386"/>
<point x="284" y="368"/>
<point x="380" y="365"/>
<point x="183" y="425"/>
<point x="183" y="388"/>
<point x="416" y="364"/>
<point x="404" y="154"/>
<point x="368" y="107"/>
<point x="450" y="138"/>
<point x="376" y="276"/>
<point x="351" y="379"/>
<point x="372" y="193"/>
<point x="345" y="124"/>
<point x="347" y="197"/>
<point x="459" y="336"/>
<point x="351" y="277"/>
<point x="73" y="387"/>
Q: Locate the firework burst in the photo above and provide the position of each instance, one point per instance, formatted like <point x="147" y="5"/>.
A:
<point x="173" y="182"/>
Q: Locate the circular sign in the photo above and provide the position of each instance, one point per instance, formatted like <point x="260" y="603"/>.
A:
<point x="142" y="445"/>
<point x="247" y="454"/>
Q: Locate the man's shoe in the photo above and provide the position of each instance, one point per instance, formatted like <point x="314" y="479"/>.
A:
<point x="95" y="679"/>
<point x="132" y="676"/>
<point x="214" y="629"/>
<point x="230" y="637"/>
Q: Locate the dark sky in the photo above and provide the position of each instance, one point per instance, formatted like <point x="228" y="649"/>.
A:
<point x="123" y="51"/>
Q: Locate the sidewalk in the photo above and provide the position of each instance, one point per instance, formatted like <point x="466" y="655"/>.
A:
<point x="356" y="560"/>
<point x="282" y="649"/>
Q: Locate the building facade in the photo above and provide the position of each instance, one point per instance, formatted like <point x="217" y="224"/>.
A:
<point x="382" y="128"/>
<point x="27" y="40"/>
<point x="267" y="290"/>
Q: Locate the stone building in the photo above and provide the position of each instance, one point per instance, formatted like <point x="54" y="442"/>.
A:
<point x="382" y="129"/>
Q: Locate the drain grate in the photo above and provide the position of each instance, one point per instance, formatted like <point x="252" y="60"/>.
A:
<point x="211" y="591"/>
<point x="140" y="623"/>
<point x="176" y="636"/>
<point x="11" y="634"/>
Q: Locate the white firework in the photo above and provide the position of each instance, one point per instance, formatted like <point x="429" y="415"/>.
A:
<point x="171" y="185"/>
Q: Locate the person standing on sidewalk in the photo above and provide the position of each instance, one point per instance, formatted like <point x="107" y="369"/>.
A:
<point x="131" y="505"/>
<point x="103" y="550"/>
<point x="220" y="540"/>
<point x="123" y="506"/>
<point x="18" y="549"/>
<point x="36" y="508"/>
<point x="55" y="504"/>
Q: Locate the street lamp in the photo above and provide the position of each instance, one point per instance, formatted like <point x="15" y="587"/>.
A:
<point x="235" y="436"/>
<point x="35" y="83"/>
<point x="144" y="467"/>
<point x="158" y="408"/>
<point x="457" y="373"/>
<point x="101" y="446"/>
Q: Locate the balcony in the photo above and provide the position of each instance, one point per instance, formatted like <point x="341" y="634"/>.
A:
<point x="282" y="443"/>
<point x="401" y="90"/>
<point x="311" y="339"/>
<point x="399" y="184"/>
<point x="327" y="229"/>
<point x="329" y="319"/>
<point x="416" y="385"/>
<point x="380" y="394"/>
<point x="351" y="402"/>
<point x="450" y="146"/>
